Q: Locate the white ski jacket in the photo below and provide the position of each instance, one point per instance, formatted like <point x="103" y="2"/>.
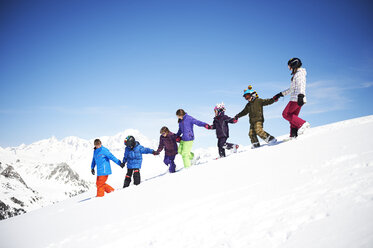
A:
<point x="297" y="86"/>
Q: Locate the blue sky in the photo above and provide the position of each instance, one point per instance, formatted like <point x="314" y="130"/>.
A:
<point x="94" y="68"/>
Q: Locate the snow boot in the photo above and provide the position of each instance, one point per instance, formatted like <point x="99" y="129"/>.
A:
<point x="294" y="132"/>
<point x="303" y="128"/>
<point x="127" y="181"/>
<point x="136" y="177"/>
<point x="271" y="140"/>
<point x="255" y="145"/>
<point x="235" y="147"/>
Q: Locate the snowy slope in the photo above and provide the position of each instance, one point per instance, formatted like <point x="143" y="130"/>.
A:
<point x="50" y="170"/>
<point x="316" y="191"/>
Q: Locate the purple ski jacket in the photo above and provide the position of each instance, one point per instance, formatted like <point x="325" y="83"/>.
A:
<point x="169" y="144"/>
<point x="221" y="125"/>
<point x="186" y="127"/>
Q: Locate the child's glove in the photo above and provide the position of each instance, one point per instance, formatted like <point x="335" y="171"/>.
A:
<point x="235" y="120"/>
<point x="300" y="100"/>
<point x="122" y="164"/>
<point x="155" y="153"/>
<point x="178" y="139"/>
<point x="277" y="96"/>
<point x="93" y="172"/>
<point x="207" y="126"/>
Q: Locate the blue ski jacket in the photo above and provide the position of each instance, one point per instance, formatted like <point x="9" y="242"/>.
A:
<point x="133" y="157"/>
<point x="101" y="158"/>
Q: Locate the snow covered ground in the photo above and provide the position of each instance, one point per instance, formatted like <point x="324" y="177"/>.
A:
<point x="316" y="191"/>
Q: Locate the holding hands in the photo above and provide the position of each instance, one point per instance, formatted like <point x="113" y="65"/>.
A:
<point x="277" y="96"/>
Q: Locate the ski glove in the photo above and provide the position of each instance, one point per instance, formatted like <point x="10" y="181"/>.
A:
<point x="300" y="100"/>
<point x="122" y="165"/>
<point x="207" y="126"/>
<point x="277" y="96"/>
<point x="235" y="120"/>
<point x="93" y="172"/>
<point x="178" y="139"/>
<point x="155" y="153"/>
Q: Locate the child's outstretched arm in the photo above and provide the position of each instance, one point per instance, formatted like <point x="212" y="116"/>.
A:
<point x="244" y="112"/>
<point x="112" y="157"/>
<point x="145" y="150"/>
<point x="178" y="132"/>
<point x="125" y="157"/>
<point x="231" y="120"/>
<point x="268" y="101"/>
<point x="198" y="123"/>
<point x="160" y="147"/>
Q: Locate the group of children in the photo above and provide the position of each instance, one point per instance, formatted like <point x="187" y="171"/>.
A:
<point x="185" y="135"/>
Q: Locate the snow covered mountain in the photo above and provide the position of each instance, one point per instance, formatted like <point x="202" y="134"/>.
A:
<point x="316" y="191"/>
<point x="48" y="171"/>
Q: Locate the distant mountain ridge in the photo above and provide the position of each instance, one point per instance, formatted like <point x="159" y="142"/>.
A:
<point x="51" y="170"/>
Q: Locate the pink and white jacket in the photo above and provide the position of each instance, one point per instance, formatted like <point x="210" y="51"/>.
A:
<point x="297" y="86"/>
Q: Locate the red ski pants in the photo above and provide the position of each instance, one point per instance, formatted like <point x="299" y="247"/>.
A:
<point x="291" y="113"/>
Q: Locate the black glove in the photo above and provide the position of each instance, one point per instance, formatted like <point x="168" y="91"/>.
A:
<point x="277" y="96"/>
<point x="93" y="172"/>
<point x="235" y="118"/>
<point x="122" y="165"/>
<point x="300" y="100"/>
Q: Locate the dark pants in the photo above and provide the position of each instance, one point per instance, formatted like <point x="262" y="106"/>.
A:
<point x="222" y="142"/>
<point x="169" y="161"/>
<point x="136" y="177"/>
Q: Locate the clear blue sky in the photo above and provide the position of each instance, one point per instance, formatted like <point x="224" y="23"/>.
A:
<point x="94" y="68"/>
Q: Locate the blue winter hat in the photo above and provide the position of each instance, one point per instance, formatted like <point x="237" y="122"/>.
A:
<point x="250" y="91"/>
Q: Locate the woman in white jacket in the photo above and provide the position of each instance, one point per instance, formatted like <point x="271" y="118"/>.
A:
<point x="298" y="98"/>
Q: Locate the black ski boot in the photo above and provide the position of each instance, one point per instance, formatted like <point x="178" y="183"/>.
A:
<point x="255" y="145"/>
<point x="293" y="132"/>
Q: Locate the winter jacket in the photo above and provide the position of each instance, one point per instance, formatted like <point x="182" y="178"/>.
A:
<point x="101" y="158"/>
<point x="255" y="109"/>
<point x="169" y="144"/>
<point x="297" y="86"/>
<point x="186" y="127"/>
<point x="133" y="157"/>
<point x="221" y="125"/>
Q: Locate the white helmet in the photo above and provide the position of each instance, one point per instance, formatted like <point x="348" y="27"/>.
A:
<point x="220" y="107"/>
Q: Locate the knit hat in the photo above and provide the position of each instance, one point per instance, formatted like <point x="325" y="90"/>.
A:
<point x="250" y="91"/>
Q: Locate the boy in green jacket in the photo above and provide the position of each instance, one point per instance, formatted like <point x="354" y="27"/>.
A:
<point x="254" y="108"/>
